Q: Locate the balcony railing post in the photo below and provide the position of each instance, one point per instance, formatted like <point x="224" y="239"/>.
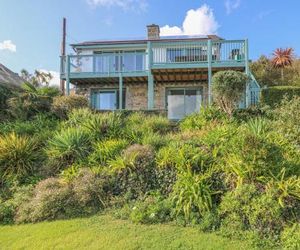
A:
<point x="150" y="77"/>
<point x="68" y="75"/>
<point x="247" y="71"/>
<point x="209" y="62"/>
<point x="120" y="91"/>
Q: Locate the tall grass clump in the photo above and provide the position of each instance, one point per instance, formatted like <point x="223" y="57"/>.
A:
<point x="68" y="146"/>
<point x="19" y="156"/>
<point x="107" y="150"/>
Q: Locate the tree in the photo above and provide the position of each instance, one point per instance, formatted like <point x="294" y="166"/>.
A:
<point x="39" y="78"/>
<point x="228" y="88"/>
<point x="282" y="58"/>
<point x="264" y="72"/>
<point x="31" y="100"/>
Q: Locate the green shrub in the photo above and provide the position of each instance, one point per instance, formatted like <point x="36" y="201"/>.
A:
<point x="201" y="119"/>
<point x="106" y="150"/>
<point x="5" y="94"/>
<point x="234" y="209"/>
<point x="134" y="171"/>
<point x="69" y="146"/>
<point x="139" y="125"/>
<point x="228" y="88"/>
<point x="192" y="196"/>
<point x="251" y="156"/>
<point x="153" y="209"/>
<point x="252" y="112"/>
<point x="155" y="140"/>
<point x="247" y="209"/>
<point x="41" y="126"/>
<point x="291" y="237"/>
<point x="51" y="200"/>
<point x="90" y="191"/>
<point x="273" y="96"/>
<point x="286" y="119"/>
<point x="105" y="125"/>
<point x="8" y="208"/>
<point x="78" y="116"/>
<point x="31" y="101"/>
<point x="258" y="127"/>
<point x="19" y="156"/>
<point x="62" y="105"/>
<point x="157" y="124"/>
<point x="209" y="222"/>
<point x="184" y="157"/>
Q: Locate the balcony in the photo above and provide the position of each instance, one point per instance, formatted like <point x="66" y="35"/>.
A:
<point x="158" y="55"/>
<point x="225" y="53"/>
<point x="105" y="65"/>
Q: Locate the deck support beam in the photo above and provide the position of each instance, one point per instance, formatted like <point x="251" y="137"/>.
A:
<point x="120" y="92"/>
<point x="68" y="75"/>
<point x="209" y="61"/>
<point x="247" y="71"/>
<point x="150" y="78"/>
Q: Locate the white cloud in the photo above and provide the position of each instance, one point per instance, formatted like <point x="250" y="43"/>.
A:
<point x="55" y="81"/>
<point x="136" y="5"/>
<point x="197" y="22"/>
<point x="232" y="5"/>
<point x="8" y="45"/>
<point x="263" y="14"/>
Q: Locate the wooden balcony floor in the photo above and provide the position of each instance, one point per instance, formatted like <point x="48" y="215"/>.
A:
<point x="160" y="76"/>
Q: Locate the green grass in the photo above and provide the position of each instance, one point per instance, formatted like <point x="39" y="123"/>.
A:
<point x="105" y="232"/>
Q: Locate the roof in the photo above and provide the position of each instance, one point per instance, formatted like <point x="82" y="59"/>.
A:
<point x="9" y="78"/>
<point x="142" y="41"/>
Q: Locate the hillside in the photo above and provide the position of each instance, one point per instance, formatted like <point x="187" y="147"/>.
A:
<point x="8" y="77"/>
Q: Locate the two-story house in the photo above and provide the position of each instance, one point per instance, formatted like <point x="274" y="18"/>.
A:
<point x="172" y="74"/>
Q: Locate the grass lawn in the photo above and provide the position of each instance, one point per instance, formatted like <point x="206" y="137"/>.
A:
<point x="105" y="232"/>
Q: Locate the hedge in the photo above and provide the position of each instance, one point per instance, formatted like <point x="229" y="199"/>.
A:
<point x="274" y="95"/>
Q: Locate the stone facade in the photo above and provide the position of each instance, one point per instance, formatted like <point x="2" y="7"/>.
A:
<point x="136" y="94"/>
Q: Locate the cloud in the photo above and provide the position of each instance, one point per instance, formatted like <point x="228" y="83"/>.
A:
<point x="263" y="14"/>
<point x="136" y="5"/>
<point x="232" y="5"/>
<point x="199" y="21"/>
<point x="55" y="81"/>
<point x="8" y="45"/>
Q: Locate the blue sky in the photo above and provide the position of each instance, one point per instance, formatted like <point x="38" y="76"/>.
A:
<point x="30" y="30"/>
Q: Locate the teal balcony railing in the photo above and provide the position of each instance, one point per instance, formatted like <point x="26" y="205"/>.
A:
<point x="177" y="54"/>
<point x="105" y="63"/>
<point x="195" y="52"/>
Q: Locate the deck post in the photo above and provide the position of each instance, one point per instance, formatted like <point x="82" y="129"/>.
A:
<point x="150" y="77"/>
<point x="120" y="92"/>
<point x="68" y="75"/>
<point x="209" y="62"/>
<point x="247" y="71"/>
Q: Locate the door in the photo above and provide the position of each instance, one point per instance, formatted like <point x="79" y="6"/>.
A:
<point x="182" y="102"/>
<point x="107" y="99"/>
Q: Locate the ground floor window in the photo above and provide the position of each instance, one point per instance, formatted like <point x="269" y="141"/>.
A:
<point x="183" y="101"/>
<point x="107" y="99"/>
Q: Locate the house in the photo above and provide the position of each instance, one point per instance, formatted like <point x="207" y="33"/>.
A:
<point x="9" y="78"/>
<point x="171" y="74"/>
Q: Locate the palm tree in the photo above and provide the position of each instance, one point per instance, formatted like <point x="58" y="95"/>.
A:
<point x="283" y="58"/>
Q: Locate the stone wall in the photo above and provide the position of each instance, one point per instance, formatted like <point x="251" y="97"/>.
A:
<point x="136" y="95"/>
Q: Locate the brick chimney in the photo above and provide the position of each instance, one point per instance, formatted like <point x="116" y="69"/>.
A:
<point x="153" y="32"/>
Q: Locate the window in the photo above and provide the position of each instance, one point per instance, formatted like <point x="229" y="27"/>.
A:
<point x="182" y="102"/>
<point x="107" y="99"/>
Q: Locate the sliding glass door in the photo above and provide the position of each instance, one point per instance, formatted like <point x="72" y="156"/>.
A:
<point x="107" y="99"/>
<point x="182" y="102"/>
